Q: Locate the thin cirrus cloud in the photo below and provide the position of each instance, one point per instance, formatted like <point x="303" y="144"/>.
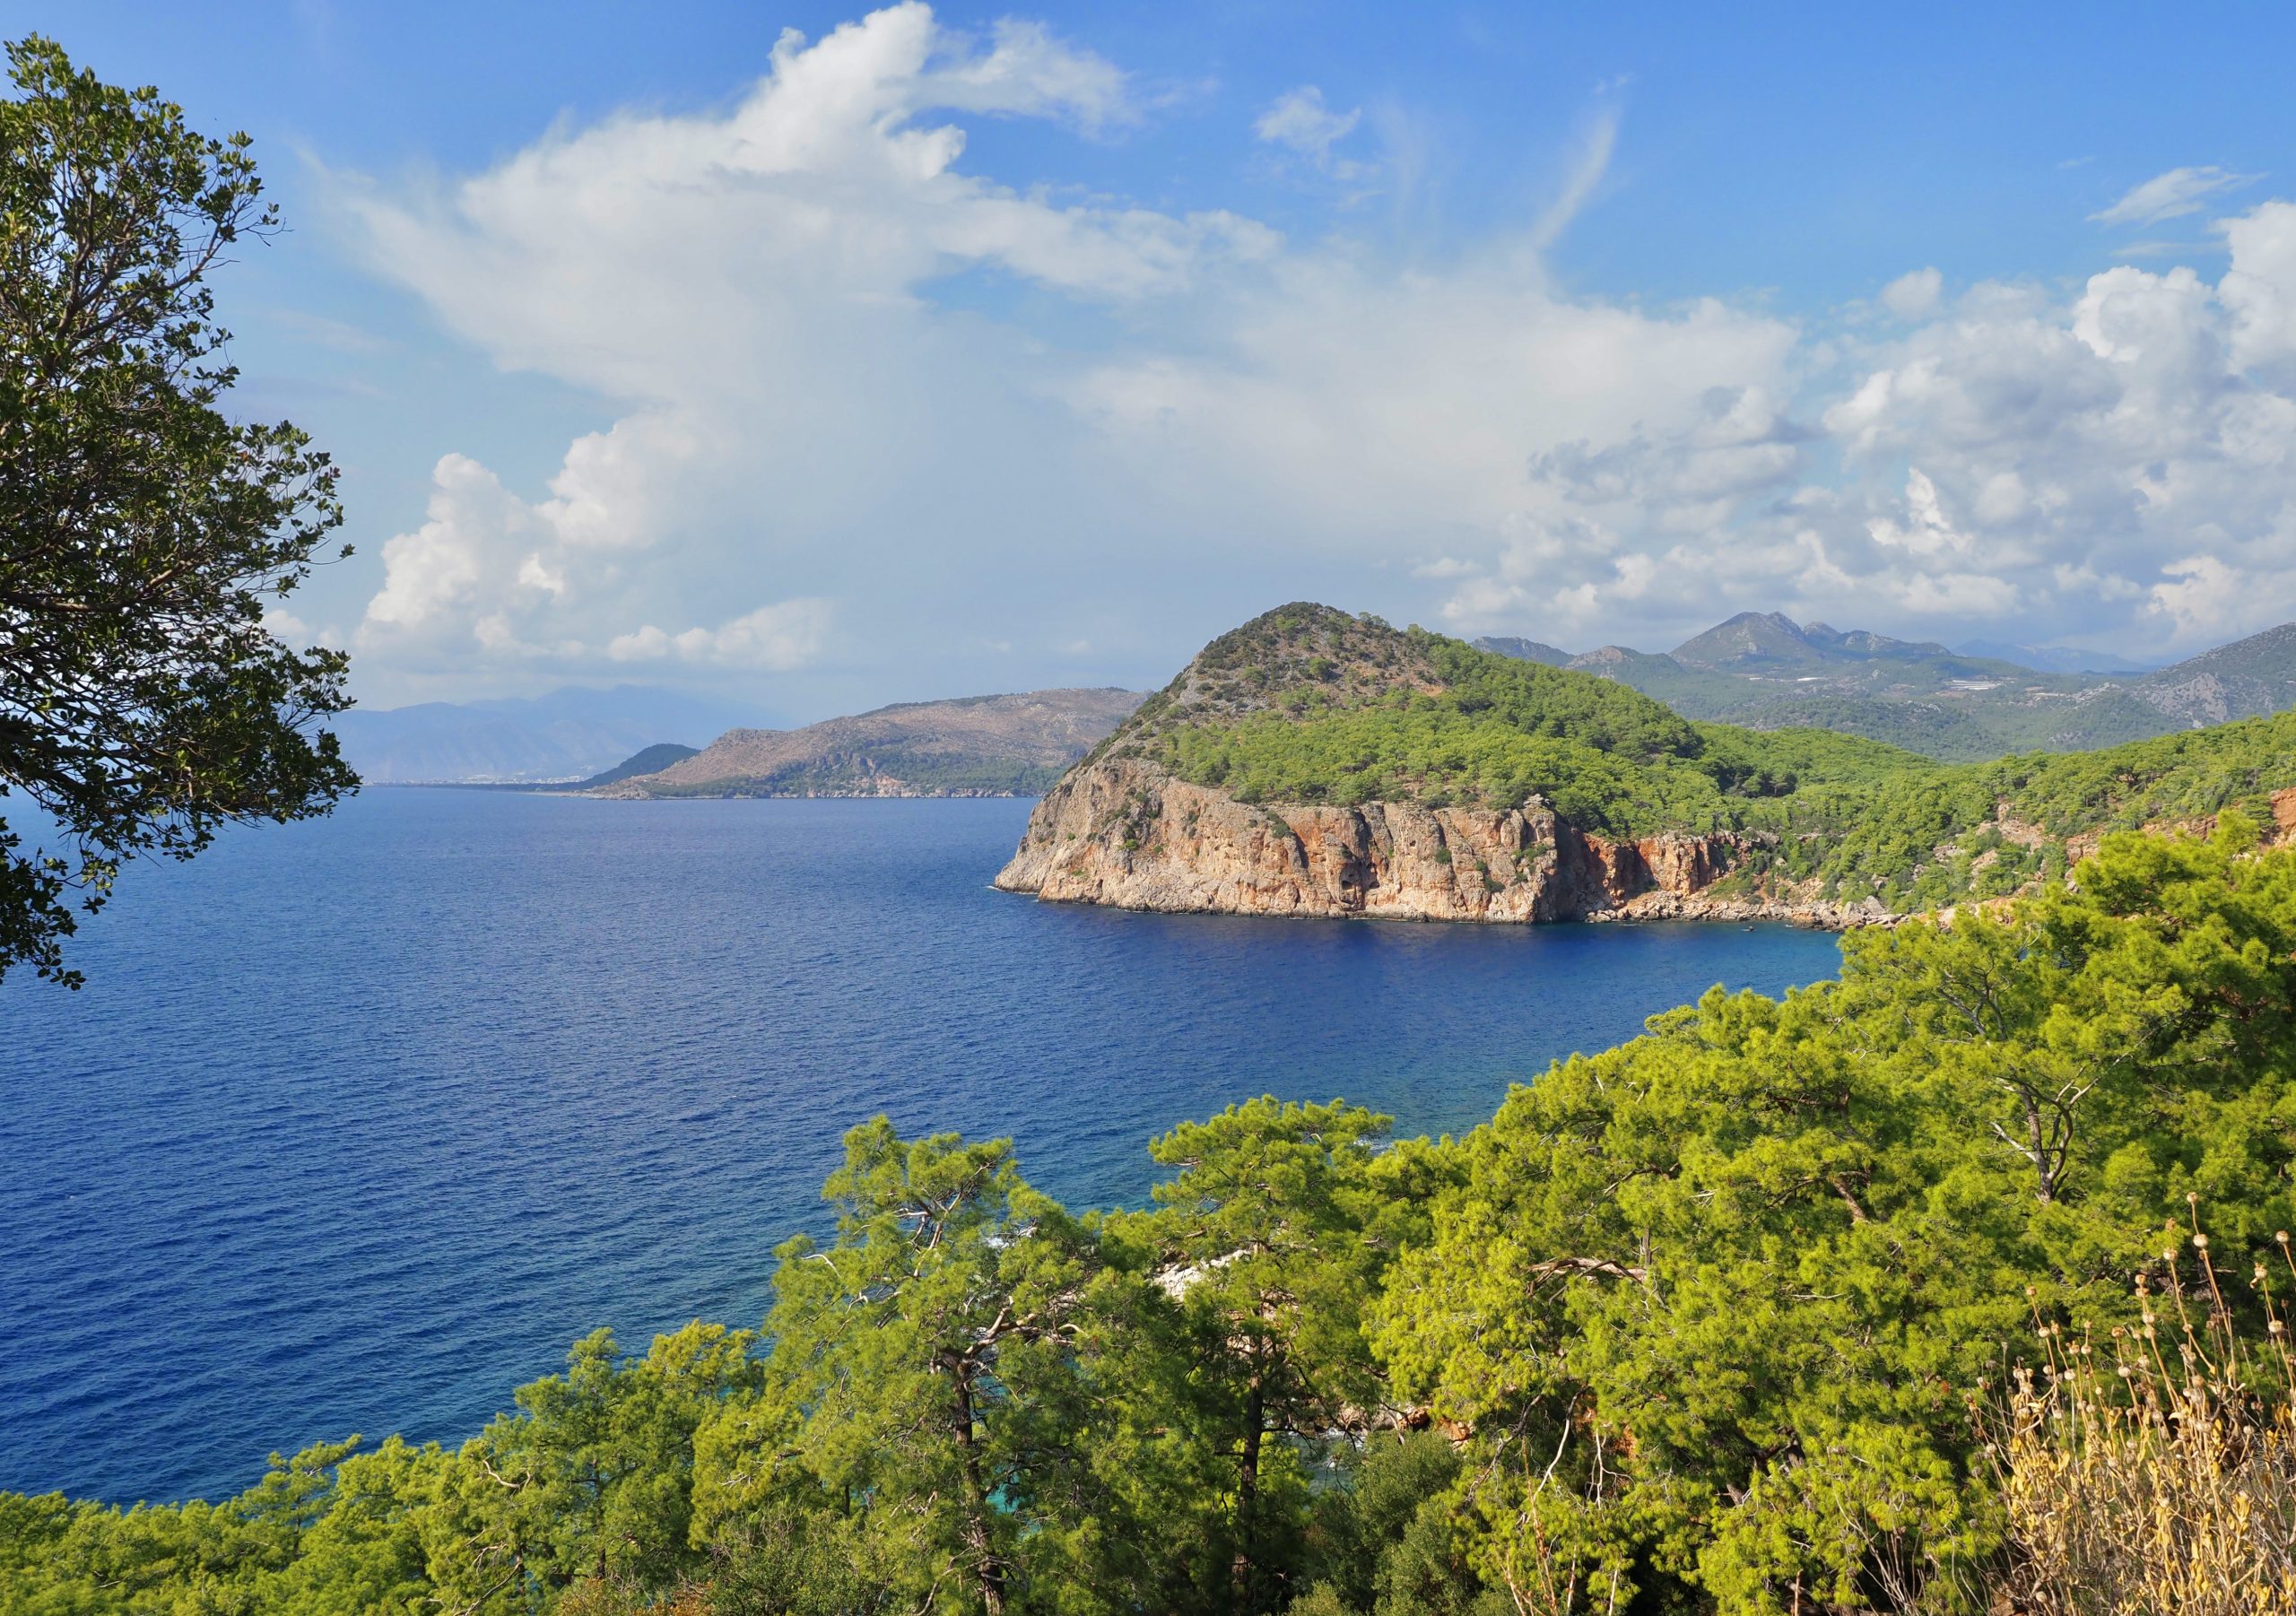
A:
<point x="806" y="456"/>
<point x="2173" y="196"/>
<point x="1589" y="164"/>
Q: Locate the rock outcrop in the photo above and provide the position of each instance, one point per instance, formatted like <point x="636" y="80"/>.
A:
<point x="1126" y="833"/>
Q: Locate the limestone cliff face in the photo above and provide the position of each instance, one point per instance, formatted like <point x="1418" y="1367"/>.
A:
<point x="1125" y="833"/>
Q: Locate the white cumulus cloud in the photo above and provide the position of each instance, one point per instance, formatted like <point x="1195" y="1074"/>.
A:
<point x="1913" y="294"/>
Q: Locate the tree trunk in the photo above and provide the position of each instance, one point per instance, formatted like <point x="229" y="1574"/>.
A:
<point x="988" y="1570"/>
<point x="1248" y="1496"/>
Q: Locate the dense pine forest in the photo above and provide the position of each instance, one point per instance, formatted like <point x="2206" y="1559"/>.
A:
<point x="1786" y="1304"/>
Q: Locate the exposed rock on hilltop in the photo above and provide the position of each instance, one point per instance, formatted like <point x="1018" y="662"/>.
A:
<point x="975" y="746"/>
<point x="2253" y="675"/>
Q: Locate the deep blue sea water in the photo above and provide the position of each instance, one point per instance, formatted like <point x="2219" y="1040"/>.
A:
<point x="358" y="1122"/>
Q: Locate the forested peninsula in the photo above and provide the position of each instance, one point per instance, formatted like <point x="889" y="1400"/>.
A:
<point x="1956" y="1284"/>
<point x="1312" y="762"/>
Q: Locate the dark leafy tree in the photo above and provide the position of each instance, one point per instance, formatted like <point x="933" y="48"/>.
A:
<point x="143" y="532"/>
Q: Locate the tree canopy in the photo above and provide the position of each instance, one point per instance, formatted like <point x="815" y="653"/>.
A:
<point x="144" y="532"/>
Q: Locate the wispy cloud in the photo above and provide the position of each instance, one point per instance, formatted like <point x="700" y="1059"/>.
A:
<point x="1587" y="167"/>
<point x="2172" y="194"/>
<point x="317" y="329"/>
<point x="1299" y="121"/>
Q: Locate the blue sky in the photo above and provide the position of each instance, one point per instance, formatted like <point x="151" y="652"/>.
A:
<point x="981" y="350"/>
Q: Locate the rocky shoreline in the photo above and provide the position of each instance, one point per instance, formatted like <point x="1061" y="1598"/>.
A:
<point x="1124" y="833"/>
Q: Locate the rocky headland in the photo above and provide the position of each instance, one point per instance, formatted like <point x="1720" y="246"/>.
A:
<point x="1126" y="833"/>
<point x="1125" y="828"/>
<point x="1313" y="763"/>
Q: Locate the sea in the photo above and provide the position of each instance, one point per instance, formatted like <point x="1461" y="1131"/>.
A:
<point x="360" y="1122"/>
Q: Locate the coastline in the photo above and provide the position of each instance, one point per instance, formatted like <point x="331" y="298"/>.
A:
<point x="1125" y="834"/>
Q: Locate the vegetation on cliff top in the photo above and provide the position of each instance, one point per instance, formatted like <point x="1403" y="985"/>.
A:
<point x="1722" y="1321"/>
<point x="1306" y="705"/>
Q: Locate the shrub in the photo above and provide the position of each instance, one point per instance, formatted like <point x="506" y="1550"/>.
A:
<point x="2156" y="1472"/>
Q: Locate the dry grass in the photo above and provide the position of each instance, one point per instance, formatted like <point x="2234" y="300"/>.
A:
<point x="2155" y="1472"/>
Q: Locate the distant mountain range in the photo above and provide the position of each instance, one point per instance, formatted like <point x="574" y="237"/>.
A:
<point x="1765" y="671"/>
<point x="1012" y="745"/>
<point x="2054" y="659"/>
<point x="565" y="736"/>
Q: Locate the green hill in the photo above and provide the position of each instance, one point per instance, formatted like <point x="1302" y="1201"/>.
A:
<point x="658" y="756"/>
<point x="1306" y="705"/>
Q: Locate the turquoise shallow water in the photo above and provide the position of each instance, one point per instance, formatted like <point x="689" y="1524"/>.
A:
<point x="360" y="1122"/>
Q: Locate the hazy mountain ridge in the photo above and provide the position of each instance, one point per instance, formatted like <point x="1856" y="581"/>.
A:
<point x="1528" y="650"/>
<point x="1773" y="639"/>
<point x="2056" y="659"/>
<point x="1001" y="745"/>
<point x="1764" y="671"/>
<point x="563" y="737"/>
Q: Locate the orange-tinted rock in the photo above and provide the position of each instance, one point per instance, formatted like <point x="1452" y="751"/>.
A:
<point x="1124" y="833"/>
